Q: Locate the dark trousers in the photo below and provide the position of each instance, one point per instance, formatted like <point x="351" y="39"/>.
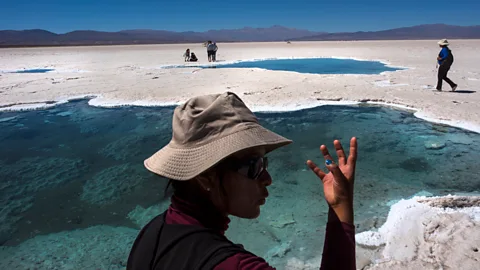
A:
<point x="210" y="55"/>
<point x="442" y="75"/>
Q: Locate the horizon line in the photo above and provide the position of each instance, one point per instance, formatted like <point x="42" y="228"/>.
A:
<point x="230" y="29"/>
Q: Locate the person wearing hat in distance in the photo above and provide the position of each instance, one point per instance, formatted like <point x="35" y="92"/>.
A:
<point x="445" y="61"/>
<point x="217" y="166"/>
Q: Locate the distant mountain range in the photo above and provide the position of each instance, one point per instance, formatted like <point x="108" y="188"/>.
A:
<point x="426" y="31"/>
<point x="38" y="37"/>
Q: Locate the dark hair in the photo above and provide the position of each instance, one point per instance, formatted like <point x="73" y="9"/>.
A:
<point x="170" y="181"/>
<point x="183" y="189"/>
<point x="179" y="187"/>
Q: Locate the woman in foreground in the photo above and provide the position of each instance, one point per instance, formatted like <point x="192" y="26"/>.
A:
<point x="217" y="166"/>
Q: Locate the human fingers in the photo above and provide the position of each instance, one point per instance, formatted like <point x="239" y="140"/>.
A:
<point x="316" y="170"/>
<point x="331" y="165"/>
<point x="334" y="169"/>
<point x="352" y="157"/>
<point x="325" y="153"/>
<point x="340" y="153"/>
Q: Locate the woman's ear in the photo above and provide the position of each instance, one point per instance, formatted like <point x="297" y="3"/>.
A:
<point x="207" y="180"/>
<point x="210" y="183"/>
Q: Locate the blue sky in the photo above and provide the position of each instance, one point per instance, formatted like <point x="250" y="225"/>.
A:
<point x="62" y="16"/>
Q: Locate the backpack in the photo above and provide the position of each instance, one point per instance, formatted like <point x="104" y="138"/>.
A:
<point x="450" y="57"/>
<point x="162" y="246"/>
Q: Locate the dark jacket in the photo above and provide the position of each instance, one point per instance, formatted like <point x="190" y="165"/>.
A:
<point x="191" y="236"/>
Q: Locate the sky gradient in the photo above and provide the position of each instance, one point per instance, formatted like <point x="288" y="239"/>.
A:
<point x="190" y="15"/>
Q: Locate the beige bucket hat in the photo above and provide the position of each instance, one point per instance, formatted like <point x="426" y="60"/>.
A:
<point x="206" y="130"/>
<point x="443" y="42"/>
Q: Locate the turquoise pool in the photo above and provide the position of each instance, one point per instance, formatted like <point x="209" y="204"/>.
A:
<point x="312" y="66"/>
<point x="75" y="172"/>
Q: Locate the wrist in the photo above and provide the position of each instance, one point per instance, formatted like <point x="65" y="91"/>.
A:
<point x="342" y="213"/>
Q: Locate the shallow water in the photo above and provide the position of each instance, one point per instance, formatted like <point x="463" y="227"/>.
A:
<point x="313" y="65"/>
<point x="37" y="70"/>
<point x="76" y="166"/>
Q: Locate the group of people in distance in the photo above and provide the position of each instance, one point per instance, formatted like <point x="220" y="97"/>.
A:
<point x="190" y="57"/>
<point x="211" y="53"/>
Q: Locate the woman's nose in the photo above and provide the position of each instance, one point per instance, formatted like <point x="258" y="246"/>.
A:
<point x="265" y="178"/>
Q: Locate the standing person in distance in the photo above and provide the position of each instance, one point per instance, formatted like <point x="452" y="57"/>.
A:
<point x="210" y="50"/>
<point x="215" y="49"/>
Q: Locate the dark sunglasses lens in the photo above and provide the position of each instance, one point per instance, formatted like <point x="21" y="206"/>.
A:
<point x="257" y="167"/>
<point x="252" y="171"/>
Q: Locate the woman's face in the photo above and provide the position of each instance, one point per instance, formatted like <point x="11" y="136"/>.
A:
<point x="245" y="184"/>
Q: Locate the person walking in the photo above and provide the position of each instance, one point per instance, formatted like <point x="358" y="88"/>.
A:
<point x="445" y="61"/>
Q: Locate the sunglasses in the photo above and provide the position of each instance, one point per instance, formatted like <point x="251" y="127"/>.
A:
<point x="251" y="168"/>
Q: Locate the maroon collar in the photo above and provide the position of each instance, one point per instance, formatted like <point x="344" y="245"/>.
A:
<point x="202" y="211"/>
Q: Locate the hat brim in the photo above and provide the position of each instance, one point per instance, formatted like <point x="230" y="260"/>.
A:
<point x="443" y="43"/>
<point x="186" y="163"/>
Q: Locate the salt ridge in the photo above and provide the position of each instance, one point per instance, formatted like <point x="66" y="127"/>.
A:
<point x="416" y="229"/>
<point x="97" y="100"/>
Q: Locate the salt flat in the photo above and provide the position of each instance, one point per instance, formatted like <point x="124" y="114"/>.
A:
<point x="119" y="75"/>
<point x="133" y="75"/>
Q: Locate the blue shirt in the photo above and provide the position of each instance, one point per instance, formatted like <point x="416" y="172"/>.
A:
<point x="211" y="47"/>
<point x="443" y="55"/>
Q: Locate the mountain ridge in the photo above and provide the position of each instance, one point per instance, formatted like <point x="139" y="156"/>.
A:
<point x="40" y="37"/>
<point x="424" y="31"/>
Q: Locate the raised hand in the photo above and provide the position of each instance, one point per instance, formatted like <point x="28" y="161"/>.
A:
<point x="338" y="183"/>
